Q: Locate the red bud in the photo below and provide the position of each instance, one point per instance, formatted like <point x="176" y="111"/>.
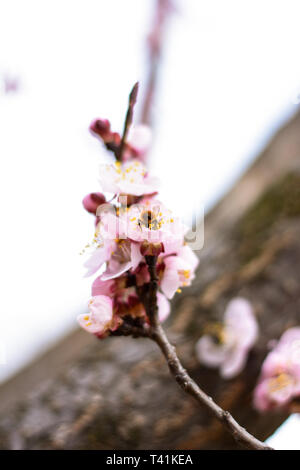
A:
<point x="92" y="201"/>
<point x="101" y="127"/>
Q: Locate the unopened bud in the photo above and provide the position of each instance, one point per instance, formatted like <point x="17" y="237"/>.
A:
<point x="101" y="127"/>
<point x="92" y="201"/>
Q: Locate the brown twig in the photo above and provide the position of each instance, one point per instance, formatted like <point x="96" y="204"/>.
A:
<point x="157" y="334"/>
<point x="128" y="120"/>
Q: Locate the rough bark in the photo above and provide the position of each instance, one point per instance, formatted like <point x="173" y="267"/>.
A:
<point x="118" y="394"/>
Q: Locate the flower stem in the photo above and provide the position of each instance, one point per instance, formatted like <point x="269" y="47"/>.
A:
<point x="128" y="120"/>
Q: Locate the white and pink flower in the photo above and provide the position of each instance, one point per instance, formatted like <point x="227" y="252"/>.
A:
<point x="150" y="221"/>
<point x="227" y="345"/>
<point x="279" y="382"/>
<point x="130" y="177"/>
<point x="178" y="270"/>
<point x="100" y="319"/>
<point x="139" y="140"/>
<point x="112" y="247"/>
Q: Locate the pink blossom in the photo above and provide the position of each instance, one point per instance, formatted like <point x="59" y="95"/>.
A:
<point x="151" y="221"/>
<point x="120" y="256"/>
<point x="279" y="382"/>
<point x="178" y="270"/>
<point x="127" y="178"/>
<point x="126" y="255"/>
<point x="11" y="84"/>
<point x="100" y="318"/>
<point x="100" y="255"/>
<point x="111" y="247"/>
<point x="229" y="344"/>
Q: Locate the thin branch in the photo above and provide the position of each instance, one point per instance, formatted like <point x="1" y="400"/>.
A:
<point x="128" y="120"/>
<point x="157" y="334"/>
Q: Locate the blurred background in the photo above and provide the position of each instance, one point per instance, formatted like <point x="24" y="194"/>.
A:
<point x="229" y="78"/>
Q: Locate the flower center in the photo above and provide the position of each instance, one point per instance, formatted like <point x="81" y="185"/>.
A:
<point x="279" y="382"/>
<point x="217" y="331"/>
<point x="133" y="172"/>
<point x="122" y="253"/>
<point x="147" y="219"/>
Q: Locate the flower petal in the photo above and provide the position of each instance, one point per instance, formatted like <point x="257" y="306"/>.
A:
<point x="234" y="363"/>
<point x="136" y="256"/>
<point x="97" y="259"/>
<point x="209" y="353"/>
<point x="170" y="282"/>
<point x="100" y="317"/>
<point x="240" y="319"/>
<point x="163" y="307"/>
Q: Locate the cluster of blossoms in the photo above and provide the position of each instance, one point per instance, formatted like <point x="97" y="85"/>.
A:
<point x="226" y="345"/>
<point x="133" y="226"/>
<point x="279" y="382"/>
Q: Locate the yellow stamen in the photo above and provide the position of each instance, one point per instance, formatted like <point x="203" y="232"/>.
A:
<point x="186" y="273"/>
<point x="280" y="382"/>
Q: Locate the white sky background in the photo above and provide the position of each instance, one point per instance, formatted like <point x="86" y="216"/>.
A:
<point x="231" y="76"/>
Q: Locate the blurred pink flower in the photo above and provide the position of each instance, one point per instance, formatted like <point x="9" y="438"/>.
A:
<point x="178" y="270"/>
<point x="139" y="140"/>
<point x="127" y="178"/>
<point x="100" y="318"/>
<point x="229" y="347"/>
<point x="279" y="381"/>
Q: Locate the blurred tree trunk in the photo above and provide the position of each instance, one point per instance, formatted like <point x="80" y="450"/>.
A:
<point x="117" y="394"/>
